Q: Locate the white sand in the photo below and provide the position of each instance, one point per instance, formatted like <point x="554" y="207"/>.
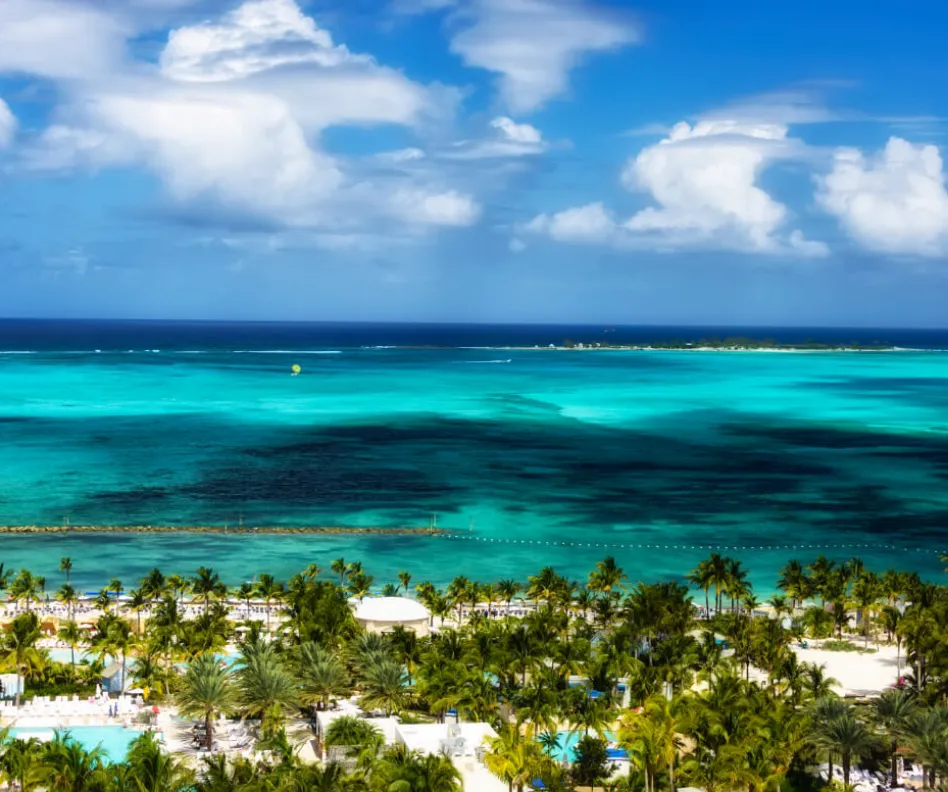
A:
<point x="858" y="674"/>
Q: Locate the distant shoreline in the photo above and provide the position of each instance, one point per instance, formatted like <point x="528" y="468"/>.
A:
<point x="581" y="347"/>
<point x="214" y="529"/>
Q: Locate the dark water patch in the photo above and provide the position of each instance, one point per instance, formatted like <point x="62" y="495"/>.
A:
<point x="920" y="391"/>
<point x="720" y="472"/>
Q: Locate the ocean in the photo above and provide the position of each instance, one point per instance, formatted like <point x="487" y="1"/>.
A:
<point x="530" y="457"/>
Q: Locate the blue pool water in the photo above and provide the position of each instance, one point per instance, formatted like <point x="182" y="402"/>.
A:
<point x="114" y="740"/>
<point x="568" y="742"/>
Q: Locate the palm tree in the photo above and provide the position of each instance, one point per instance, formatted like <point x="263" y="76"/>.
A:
<point x="245" y="592"/>
<point x="512" y="759"/>
<point x="401" y="769"/>
<point x="404" y="578"/>
<point x="65" y="565"/>
<point x="383" y="686"/>
<point x="322" y="675"/>
<point x="340" y="567"/>
<point x="641" y="739"/>
<point x="18" y="647"/>
<point x="266" y="688"/>
<point x="153" y="770"/>
<point x="115" y="640"/>
<point x="893" y="709"/>
<point x="270" y="590"/>
<point x="206" y="692"/>
<point x="69" y="597"/>
<point x="794" y="583"/>
<point x="606" y="576"/>
<point x="72" y="768"/>
<point x="351" y="732"/>
<point x="207" y="585"/>
<point x="701" y="578"/>
<point x="507" y="590"/>
<point x="821" y="577"/>
<point x="22" y="763"/>
<point x="72" y="635"/>
<point x="846" y="735"/>
<point x="866" y="592"/>
<point x="926" y="737"/>
<point x="25" y="588"/>
<point x="137" y="602"/>
<point x="153" y="585"/>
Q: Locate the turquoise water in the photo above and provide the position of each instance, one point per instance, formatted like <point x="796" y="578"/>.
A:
<point x="65" y="656"/>
<point x="568" y="742"/>
<point x="534" y="457"/>
<point x="114" y="740"/>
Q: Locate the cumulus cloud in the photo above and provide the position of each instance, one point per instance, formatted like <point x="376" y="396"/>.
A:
<point x="518" y="133"/>
<point x="7" y="125"/>
<point x="590" y="224"/>
<point x="447" y="209"/>
<point x="893" y="202"/>
<point x="534" y="44"/>
<point x="58" y="39"/>
<point x="254" y="37"/>
<point x="232" y="121"/>
<point x="704" y="182"/>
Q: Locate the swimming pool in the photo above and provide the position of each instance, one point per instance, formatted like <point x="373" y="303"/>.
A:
<point x="65" y="656"/>
<point x="568" y="742"/>
<point x="113" y="739"/>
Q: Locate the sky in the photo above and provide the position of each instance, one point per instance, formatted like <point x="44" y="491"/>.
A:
<point x="650" y="162"/>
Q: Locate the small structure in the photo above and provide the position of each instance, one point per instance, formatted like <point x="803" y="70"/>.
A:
<point x="10" y="685"/>
<point x="112" y="678"/>
<point x="383" y="614"/>
<point x="463" y="743"/>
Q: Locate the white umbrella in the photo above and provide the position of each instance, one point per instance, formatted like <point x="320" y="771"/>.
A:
<point x="98" y="690"/>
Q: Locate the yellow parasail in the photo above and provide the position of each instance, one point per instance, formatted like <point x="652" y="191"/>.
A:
<point x="296" y="369"/>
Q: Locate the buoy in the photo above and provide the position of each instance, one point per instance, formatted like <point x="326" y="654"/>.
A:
<point x="296" y="369"/>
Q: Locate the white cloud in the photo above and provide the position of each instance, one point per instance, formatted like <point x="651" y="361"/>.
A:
<point x="589" y="224"/>
<point x="254" y="37"/>
<point x="446" y="209"/>
<point x="703" y="179"/>
<point x="58" y="39"/>
<point x="517" y="245"/>
<point x="517" y="133"/>
<point x="7" y="125"/>
<point x="894" y="202"/>
<point x="534" y="44"/>
<point x="401" y="155"/>
<point x="233" y="118"/>
<point x="243" y="150"/>
<point x="510" y="139"/>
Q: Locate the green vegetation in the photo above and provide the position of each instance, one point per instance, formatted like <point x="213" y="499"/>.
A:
<point x="845" y="646"/>
<point x="697" y="691"/>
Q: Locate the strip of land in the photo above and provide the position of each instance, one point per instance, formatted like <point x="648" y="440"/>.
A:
<point x="219" y="529"/>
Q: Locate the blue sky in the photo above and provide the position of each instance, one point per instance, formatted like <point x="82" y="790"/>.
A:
<point x="475" y="160"/>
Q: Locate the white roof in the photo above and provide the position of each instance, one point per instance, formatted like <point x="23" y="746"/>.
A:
<point x="391" y="609"/>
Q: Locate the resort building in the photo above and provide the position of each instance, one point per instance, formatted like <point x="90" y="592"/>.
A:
<point x="383" y="614"/>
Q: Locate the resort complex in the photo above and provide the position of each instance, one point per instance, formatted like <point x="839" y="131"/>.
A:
<point x="333" y="681"/>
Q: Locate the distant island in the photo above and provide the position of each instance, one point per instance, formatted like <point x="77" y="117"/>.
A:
<point x="729" y="344"/>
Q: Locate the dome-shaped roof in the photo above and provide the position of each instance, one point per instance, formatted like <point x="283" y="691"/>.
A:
<point x="390" y="609"/>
